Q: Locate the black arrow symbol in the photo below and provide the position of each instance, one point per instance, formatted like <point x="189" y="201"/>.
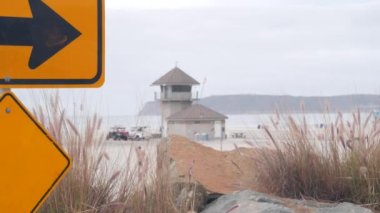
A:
<point x="46" y="32"/>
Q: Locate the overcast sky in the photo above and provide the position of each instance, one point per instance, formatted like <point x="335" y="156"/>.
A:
<point x="295" y="47"/>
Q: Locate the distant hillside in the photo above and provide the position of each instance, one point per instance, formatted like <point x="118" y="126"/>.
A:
<point x="248" y="104"/>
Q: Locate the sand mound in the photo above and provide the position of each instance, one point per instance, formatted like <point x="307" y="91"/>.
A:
<point x="219" y="172"/>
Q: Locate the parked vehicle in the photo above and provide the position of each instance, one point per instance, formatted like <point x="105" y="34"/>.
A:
<point x="118" y="133"/>
<point x="238" y="135"/>
<point x="139" y="133"/>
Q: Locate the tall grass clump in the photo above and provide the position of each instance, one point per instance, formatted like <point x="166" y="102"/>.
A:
<point x="339" y="162"/>
<point x="94" y="184"/>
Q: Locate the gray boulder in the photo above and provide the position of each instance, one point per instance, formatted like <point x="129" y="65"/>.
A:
<point x="252" y="202"/>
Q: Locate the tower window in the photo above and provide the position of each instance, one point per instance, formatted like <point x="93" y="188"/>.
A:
<point x="181" y="88"/>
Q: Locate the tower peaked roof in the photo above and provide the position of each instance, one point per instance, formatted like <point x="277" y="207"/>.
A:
<point x="176" y="77"/>
<point x="197" y="112"/>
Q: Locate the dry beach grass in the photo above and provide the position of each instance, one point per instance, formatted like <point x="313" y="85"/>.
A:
<point x="93" y="185"/>
<point x="341" y="162"/>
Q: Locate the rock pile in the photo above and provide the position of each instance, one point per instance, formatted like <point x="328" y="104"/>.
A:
<point x="250" y="201"/>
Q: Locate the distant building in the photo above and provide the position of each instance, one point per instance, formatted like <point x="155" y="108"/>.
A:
<point x="178" y="113"/>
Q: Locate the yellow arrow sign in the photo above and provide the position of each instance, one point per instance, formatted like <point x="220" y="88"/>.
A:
<point x="32" y="164"/>
<point x="51" y="43"/>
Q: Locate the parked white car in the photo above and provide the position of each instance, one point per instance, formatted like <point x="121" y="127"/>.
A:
<point x="139" y="133"/>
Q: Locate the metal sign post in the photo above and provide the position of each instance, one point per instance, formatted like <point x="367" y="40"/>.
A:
<point x="4" y="90"/>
